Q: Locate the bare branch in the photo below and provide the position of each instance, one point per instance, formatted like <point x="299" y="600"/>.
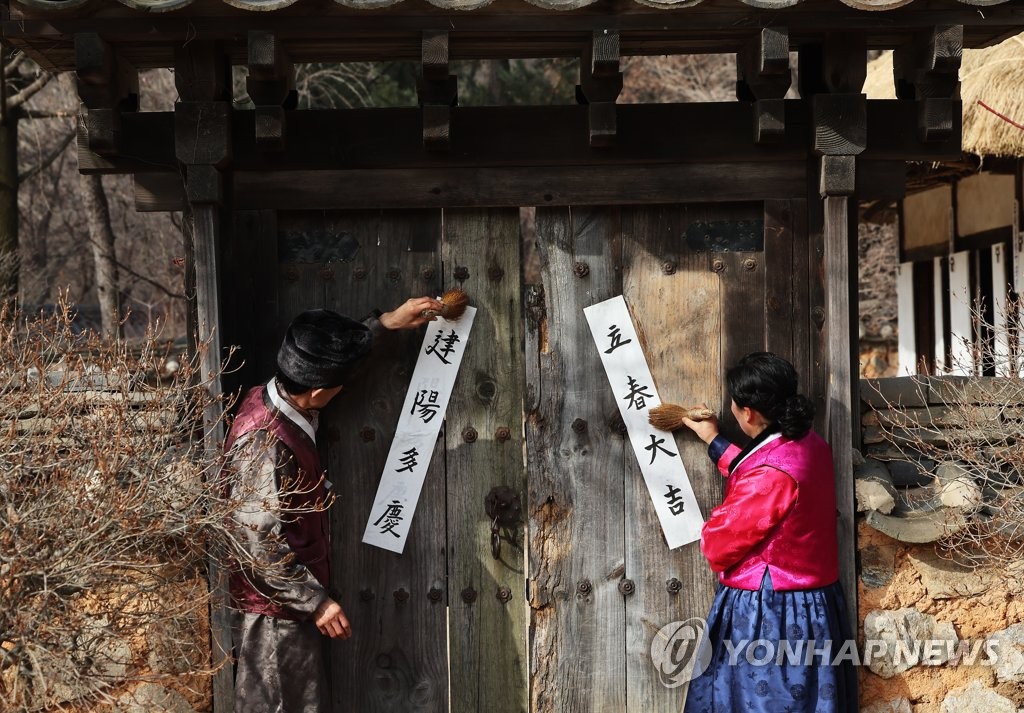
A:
<point x="48" y="159"/>
<point x="28" y="91"/>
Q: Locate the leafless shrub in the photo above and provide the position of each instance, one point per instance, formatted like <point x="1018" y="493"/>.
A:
<point x="110" y="515"/>
<point x="972" y="429"/>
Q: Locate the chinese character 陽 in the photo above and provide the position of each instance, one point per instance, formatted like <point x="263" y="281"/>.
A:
<point x="637" y="396"/>
<point x="426" y="402"/>
<point x="391" y="517"/>
<point x="675" y="502"/>
<point x="656" y="446"/>
<point x="443" y="346"/>
<point x="408" y="460"/>
<point x="616" y="339"/>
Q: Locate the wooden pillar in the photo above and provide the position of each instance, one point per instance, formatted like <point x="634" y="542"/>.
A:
<point x="203" y="147"/>
<point x="831" y="75"/>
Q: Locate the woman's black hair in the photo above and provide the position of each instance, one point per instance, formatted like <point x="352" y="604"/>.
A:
<point x="291" y="387"/>
<point x="768" y="384"/>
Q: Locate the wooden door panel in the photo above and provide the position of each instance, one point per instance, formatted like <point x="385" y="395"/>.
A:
<point x="576" y="490"/>
<point x="484" y="436"/>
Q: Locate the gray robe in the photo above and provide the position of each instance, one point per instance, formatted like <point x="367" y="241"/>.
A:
<point x="279" y="663"/>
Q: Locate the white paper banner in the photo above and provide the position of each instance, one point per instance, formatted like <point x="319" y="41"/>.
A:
<point x="418" y="427"/>
<point x="656" y="451"/>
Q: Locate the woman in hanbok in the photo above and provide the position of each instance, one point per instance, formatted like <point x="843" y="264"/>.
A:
<point x="778" y="623"/>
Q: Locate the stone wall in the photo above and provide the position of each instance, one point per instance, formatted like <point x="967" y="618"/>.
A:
<point x="937" y="478"/>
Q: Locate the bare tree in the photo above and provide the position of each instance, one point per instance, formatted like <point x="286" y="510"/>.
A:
<point x="111" y="510"/>
<point x="21" y="81"/>
<point x="101" y="236"/>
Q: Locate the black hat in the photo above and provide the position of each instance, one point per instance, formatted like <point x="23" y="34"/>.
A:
<point x="320" y="347"/>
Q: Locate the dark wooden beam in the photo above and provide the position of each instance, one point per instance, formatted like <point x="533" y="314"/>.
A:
<point x="503" y="29"/>
<point x="529" y="136"/>
<point x="154" y="192"/>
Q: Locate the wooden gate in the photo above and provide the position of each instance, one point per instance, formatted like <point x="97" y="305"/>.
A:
<point x="563" y="620"/>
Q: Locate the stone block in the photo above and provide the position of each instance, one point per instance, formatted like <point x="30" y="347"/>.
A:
<point x="977" y="698"/>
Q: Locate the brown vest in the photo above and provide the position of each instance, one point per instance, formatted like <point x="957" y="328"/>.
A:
<point x="306" y="533"/>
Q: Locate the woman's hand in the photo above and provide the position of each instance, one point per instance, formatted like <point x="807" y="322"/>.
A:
<point x="409" y="314"/>
<point x="706" y="429"/>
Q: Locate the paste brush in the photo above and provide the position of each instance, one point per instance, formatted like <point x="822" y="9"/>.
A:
<point x="669" y="417"/>
<point x="453" y="305"/>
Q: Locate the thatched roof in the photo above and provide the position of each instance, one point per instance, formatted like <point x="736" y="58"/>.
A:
<point x="992" y="90"/>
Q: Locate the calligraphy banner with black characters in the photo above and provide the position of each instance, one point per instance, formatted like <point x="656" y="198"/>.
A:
<point x="630" y="379"/>
<point x="418" y="427"/>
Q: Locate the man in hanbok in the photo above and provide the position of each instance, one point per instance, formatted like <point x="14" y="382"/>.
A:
<point x="282" y="608"/>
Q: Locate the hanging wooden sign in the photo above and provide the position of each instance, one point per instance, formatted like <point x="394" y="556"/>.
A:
<point x="418" y="428"/>
<point x="635" y="393"/>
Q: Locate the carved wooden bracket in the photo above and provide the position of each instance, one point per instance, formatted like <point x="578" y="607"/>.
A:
<point x="107" y="86"/>
<point x="438" y="91"/>
<point x="271" y="86"/>
<point x="202" y="119"/>
<point x="763" y="77"/>
<point x="927" y="69"/>
<point x="600" y="85"/>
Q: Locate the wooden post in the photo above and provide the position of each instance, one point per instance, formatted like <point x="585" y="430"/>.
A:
<point x="600" y="85"/>
<point x="833" y="73"/>
<point x="203" y="145"/>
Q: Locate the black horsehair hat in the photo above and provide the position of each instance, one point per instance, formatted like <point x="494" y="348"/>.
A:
<point x="320" y="347"/>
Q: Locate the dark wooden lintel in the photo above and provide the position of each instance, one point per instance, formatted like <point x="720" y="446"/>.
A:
<point x="529" y="136"/>
<point x="517" y="186"/>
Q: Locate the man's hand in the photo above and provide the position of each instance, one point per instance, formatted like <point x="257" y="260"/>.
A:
<point x="409" y="314"/>
<point x="706" y="429"/>
<point x="330" y="619"/>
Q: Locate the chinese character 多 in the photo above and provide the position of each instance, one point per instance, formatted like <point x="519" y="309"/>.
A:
<point x="616" y="339"/>
<point x="426" y="403"/>
<point x="408" y="460"/>
<point x="443" y="345"/>
<point x="656" y="446"/>
<point x="638" y="395"/>
<point x="391" y="517"/>
<point x="675" y="501"/>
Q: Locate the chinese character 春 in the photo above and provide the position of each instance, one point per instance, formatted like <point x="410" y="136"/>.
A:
<point x="426" y="402"/>
<point x="443" y="346"/>
<point x="391" y="517"/>
<point x="616" y="339"/>
<point x="675" y="502"/>
<point x="408" y="460"/>
<point x="637" y="396"/>
<point x="656" y="446"/>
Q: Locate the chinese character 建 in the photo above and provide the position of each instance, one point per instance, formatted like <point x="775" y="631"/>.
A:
<point x="443" y="346"/>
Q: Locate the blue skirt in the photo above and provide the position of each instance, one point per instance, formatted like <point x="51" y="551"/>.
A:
<point x="777" y="652"/>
